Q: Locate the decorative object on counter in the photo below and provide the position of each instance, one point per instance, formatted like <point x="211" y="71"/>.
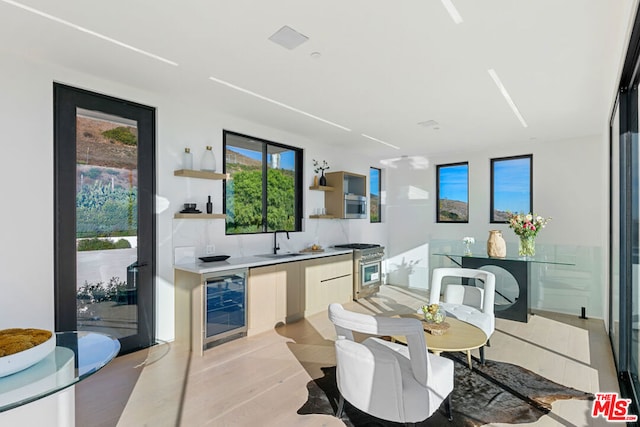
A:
<point x="208" y="160"/>
<point x="321" y="168"/>
<point x="526" y="226"/>
<point x="187" y="159"/>
<point x="313" y="248"/>
<point x="213" y="258"/>
<point x="468" y="241"/>
<point x="315" y="180"/>
<point x="22" y="348"/>
<point x="433" y="313"/>
<point x="496" y="246"/>
<point x="209" y="205"/>
<point x="190" y="208"/>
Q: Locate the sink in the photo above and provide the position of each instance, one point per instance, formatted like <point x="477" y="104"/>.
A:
<point x="284" y="255"/>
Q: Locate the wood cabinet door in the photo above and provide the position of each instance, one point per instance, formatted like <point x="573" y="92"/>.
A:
<point x="315" y="293"/>
<point x="261" y="299"/>
<point x="291" y="286"/>
<point x="339" y="290"/>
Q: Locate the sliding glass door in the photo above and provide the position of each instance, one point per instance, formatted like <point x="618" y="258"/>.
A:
<point x="624" y="271"/>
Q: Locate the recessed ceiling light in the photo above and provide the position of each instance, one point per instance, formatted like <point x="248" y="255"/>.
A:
<point x="315" y="55"/>
<point x="278" y="103"/>
<point x="90" y="32"/>
<point x="506" y="95"/>
<point x="453" y="12"/>
<point x="288" y="37"/>
<point x="380" y="141"/>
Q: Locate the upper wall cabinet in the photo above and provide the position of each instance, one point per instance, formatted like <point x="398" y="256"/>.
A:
<point x="349" y="200"/>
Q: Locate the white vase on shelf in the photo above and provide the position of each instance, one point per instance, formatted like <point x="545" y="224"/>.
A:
<point x="208" y="162"/>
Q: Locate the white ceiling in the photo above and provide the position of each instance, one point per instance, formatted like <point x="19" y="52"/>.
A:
<point x="384" y="67"/>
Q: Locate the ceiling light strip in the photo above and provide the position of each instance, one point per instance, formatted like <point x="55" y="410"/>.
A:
<point x="280" y="104"/>
<point x="453" y="12"/>
<point x="380" y="141"/>
<point x="88" y="31"/>
<point x="506" y="95"/>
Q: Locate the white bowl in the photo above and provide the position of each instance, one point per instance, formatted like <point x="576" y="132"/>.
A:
<point x="17" y="362"/>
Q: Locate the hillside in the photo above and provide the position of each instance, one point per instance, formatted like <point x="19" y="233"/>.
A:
<point x="453" y="210"/>
<point x="92" y="148"/>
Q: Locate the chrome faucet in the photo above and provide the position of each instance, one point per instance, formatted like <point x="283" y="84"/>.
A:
<point x="276" y="246"/>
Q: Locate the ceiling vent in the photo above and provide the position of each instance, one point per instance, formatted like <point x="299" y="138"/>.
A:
<point x="288" y="37"/>
<point x="428" y="123"/>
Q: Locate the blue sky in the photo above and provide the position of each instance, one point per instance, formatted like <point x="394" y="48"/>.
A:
<point x="287" y="159"/>
<point x="454" y="182"/>
<point x="511" y="180"/>
<point x="374" y="176"/>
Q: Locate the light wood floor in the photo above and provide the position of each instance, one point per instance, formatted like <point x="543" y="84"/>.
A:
<point x="261" y="380"/>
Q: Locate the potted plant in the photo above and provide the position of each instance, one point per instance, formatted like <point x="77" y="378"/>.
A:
<point x="321" y="168"/>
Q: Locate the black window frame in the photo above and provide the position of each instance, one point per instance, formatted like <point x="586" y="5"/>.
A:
<point x="379" y="205"/>
<point x="298" y="179"/>
<point x="492" y="218"/>
<point x="438" y="168"/>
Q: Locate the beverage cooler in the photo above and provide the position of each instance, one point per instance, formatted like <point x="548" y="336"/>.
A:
<point x="225" y="306"/>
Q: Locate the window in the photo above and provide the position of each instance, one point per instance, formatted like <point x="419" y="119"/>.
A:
<point x="511" y="186"/>
<point x="263" y="192"/>
<point x="452" y="188"/>
<point x="374" y="195"/>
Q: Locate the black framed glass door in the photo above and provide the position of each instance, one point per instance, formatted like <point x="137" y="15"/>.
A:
<point x="104" y="221"/>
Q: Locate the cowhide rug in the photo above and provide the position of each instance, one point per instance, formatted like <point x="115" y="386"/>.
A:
<point x="496" y="392"/>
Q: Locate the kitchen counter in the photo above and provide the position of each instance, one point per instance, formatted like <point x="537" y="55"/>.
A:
<point x="278" y="290"/>
<point x="253" y="261"/>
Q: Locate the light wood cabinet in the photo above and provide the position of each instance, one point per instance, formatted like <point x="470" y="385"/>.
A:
<point x="275" y="296"/>
<point x="263" y="299"/>
<point x="343" y="183"/>
<point x="290" y="274"/>
<point x="328" y="280"/>
<point x="276" y="293"/>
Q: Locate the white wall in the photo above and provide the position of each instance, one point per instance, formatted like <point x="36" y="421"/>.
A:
<point x="570" y="184"/>
<point x="26" y="171"/>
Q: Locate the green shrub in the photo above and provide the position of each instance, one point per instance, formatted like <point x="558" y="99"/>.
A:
<point x="96" y="244"/>
<point x="121" y="134"/>
<point x="94" y="173"/>
<point x="99" y="292"/>
<point x="122" y="244"/>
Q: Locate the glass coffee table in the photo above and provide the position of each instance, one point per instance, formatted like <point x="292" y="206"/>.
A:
<point x="460" y="336"/>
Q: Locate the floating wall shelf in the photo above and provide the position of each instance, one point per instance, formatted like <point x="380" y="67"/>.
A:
<point x="199" y="216"/>
<point x="321" y="188"/>
<point x="199" y="174"/>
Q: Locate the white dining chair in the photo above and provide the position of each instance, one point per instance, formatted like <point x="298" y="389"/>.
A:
<point x="404" y="384"/>
<point x="469" y="303"/>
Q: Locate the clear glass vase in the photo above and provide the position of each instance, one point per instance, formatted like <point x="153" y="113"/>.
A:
<point x="467" y="249"/>
<point x="527" y="246"/>
<point x="437" y="315"/>
<point x="208" y="162"/>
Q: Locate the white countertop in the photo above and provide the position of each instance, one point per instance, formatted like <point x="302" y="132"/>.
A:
<point x="232" y="263"/>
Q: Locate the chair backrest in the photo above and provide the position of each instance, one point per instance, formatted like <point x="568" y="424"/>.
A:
<point x="346" y="322"/>
<point x="462" y="295"/>
<point x="465" y="295"/>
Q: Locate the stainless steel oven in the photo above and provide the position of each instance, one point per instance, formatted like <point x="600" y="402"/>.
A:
<point x="367" y="268"/>
<point x="355" y="206"/>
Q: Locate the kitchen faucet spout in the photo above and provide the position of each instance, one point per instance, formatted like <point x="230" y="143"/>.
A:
<point x="276" y="246"/>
